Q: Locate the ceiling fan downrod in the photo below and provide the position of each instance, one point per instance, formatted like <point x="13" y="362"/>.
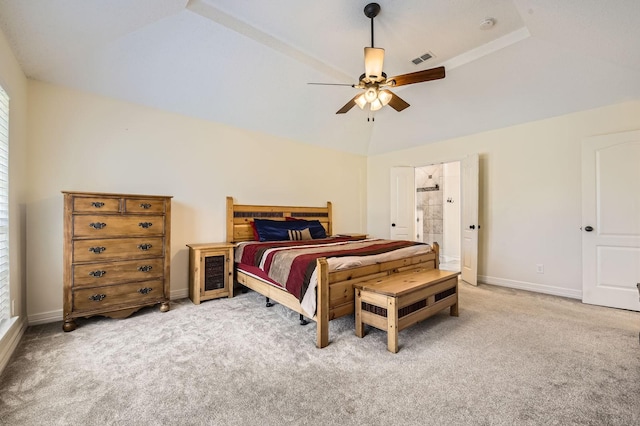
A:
<point x="371" y="11"/>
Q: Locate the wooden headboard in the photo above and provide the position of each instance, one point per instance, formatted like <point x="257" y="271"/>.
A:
<point x="239" y="217"/>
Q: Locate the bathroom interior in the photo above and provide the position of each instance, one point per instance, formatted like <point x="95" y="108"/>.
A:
<point x="438" y="210"/>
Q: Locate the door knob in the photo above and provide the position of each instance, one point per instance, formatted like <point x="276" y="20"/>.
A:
<point x="472" y="227"/>
<point x="393" y="224"/>
<point x="588" y="228"/>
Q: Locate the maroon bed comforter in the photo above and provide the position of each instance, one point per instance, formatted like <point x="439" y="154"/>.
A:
<point x="291" y="263"/>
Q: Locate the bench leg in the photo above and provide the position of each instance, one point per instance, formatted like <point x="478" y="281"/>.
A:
<point x="392" y="325"/>
<point x="453" y="311"/>
<point x="358" y="313"/>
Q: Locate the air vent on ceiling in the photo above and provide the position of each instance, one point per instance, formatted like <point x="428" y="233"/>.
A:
<point x="422" y="58"/>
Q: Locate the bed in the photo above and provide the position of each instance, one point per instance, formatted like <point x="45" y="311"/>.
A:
<point x="332" y="292"/>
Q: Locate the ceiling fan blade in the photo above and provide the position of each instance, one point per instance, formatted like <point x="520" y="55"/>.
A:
<point x="396" y="101"/>
<point x="418" y="77"/>
<point x="333" y="84"/>
<point x="373" y="62"/>
<point x="348" y="105"/>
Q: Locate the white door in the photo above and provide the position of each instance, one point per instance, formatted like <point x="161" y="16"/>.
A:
<point x="451" y="222"/>
<point x="611" y="220"/>
<point x="469" y="247"/>
<point x="403" y="203"/>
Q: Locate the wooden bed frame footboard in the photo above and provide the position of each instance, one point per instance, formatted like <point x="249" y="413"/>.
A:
<point x="335" y="293"/>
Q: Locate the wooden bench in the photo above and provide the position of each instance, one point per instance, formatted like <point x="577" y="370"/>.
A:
<point x="395" y="302"/>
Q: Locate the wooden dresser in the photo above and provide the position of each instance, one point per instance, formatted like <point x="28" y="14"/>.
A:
<point x="116" y="254"/>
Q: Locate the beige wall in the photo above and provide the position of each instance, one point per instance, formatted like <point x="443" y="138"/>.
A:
<point x="14" y="82"/>
<point x="530" y="195"/>
<point x="84" y="142"/>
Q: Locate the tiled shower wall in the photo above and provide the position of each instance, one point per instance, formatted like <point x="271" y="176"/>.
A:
<point x="430" y="201"/>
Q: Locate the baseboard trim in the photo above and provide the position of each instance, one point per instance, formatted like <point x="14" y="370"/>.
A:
<point x="45" y="317"/>
<point x="446" y="258"/>
<point x="179" y="294"/>
<point x="10" y="340"/>
<point x="538" y="288"/>
<point x="54" y="316"/>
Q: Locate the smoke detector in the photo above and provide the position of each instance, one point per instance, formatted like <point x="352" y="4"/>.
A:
<point x="487" y="23"/>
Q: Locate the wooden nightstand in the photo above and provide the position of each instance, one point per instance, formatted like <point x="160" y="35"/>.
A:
<point x="210" y="271"/>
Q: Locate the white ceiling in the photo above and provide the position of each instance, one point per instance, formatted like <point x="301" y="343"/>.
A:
<point x="247" y="63"/>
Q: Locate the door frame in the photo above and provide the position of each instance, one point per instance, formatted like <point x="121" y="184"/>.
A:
<point x="461" y="160"/>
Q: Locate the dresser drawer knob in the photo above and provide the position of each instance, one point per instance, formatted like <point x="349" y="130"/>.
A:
<point x="97" y="250"/>
<point x="97" y="225"/>
<point x="97" y="297"/>
<point x="145" y="225"/>
<point x="145" y="205"/>
<point x="145" y="268"/>
<point x="97" y="274"/>
<point x="144" y="246"/>
<point x="97" y="204"/>
<point x="145" y="290"/>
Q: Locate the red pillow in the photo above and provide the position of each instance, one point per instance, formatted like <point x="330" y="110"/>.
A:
<point x="256" y="237"/>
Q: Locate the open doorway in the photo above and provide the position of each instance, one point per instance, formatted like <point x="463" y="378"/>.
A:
<point x="438" y="210"/>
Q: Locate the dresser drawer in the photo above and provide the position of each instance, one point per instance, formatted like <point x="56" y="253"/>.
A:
<point x="96" y="204"/>
<point x="117" y="248"/>
<point x="96" y="274"/>
<point x="143" y="205"/>
<point x="99" y="298"/>
<point x="98" y="226"/>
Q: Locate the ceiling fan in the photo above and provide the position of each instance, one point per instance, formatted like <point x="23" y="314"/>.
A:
<point x="374" y="81"/>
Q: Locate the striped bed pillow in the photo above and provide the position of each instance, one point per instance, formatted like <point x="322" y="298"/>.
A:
<point x="298" y="235"/>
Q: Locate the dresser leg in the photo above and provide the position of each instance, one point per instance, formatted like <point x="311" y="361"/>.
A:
<point x="164" y="307"/>
<point x="69" y="325"/>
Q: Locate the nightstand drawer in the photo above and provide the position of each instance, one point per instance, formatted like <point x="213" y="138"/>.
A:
<point x="98" y="298"/>
<point x="98" y="226"/>
<point x="96" y="274"/>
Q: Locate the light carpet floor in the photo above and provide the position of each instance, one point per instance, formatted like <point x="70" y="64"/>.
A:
<point x="510" y="358"/>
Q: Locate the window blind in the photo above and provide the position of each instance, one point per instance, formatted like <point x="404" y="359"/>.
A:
<point x="4" y="206"/>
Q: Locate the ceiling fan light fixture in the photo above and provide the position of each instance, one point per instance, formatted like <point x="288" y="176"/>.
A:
<point x="373" y="62"/>
<point x="371" y="94"/>
<point x="376" y="105"/>
<point x="360" y="101"/>
<point x="385" y="97"/>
